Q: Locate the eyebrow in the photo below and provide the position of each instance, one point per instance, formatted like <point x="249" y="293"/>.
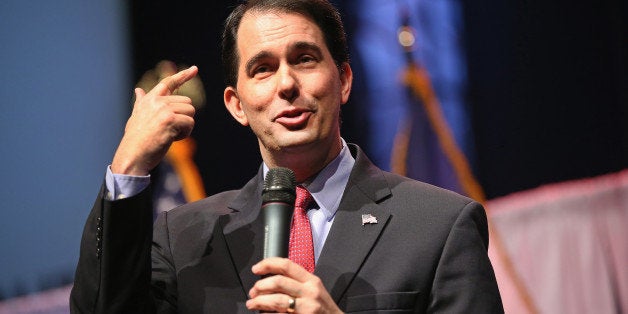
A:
<point x="300" y="45"/>
<point x="304" y="45"/>
<point x="260" y="55"/>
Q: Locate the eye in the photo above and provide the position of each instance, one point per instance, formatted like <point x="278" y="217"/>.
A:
<point x="306" y="59"/>
<point x="261" y="71"/>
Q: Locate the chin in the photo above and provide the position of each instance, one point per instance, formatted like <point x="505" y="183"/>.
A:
<point x="296" y="143"/>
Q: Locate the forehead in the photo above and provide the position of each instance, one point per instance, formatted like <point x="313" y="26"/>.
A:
<point x="271" y="30"/>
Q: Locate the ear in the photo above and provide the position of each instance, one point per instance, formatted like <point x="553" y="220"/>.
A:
<point x="233" y="104"/>
<point x="346" y="80"/>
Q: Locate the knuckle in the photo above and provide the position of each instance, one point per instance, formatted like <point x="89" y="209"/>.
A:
<point x="316" y="281"/>
<point x="166" y="81"/>
<point x="278" y="303"/>
<point x="167" y="117"/>
<point x="314" y="293"/>
<point x="286" y="265"/>
<point x="277" y="281"/>
<point x="163" y="84"/>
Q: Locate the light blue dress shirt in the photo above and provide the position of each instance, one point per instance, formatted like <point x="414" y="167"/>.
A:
<point x="121" y="186"/>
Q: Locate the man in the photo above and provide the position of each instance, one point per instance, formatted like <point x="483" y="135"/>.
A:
<point x="381" y="242"/>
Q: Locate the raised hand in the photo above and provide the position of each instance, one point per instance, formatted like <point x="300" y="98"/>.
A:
<point x="292" y="290"/>
<point x="158" y="119"/>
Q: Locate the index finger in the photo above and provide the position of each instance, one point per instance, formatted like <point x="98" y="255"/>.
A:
<point x="281" y="266"/>
<point x="168" y="85"/>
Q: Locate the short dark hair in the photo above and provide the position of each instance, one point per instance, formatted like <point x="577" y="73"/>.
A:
<point x="322" y="12"/>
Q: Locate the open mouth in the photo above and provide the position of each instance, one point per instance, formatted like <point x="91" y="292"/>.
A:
<point x="294" y="119"/>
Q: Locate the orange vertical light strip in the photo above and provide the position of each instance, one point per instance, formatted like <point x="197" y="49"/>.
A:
<point x="399" y="157"/>
<point x="180" y="155"/>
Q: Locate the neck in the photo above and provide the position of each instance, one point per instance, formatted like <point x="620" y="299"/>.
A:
<point x="305" y="162"/>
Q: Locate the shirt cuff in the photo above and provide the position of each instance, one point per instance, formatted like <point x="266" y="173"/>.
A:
<point x="121" y="186"/>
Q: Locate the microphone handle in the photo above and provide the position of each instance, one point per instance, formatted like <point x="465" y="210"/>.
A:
<point x="277" y="219"/>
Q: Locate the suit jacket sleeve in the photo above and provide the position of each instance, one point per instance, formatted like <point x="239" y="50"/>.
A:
<point x="114" y="269"/>
<point x="464" y="281"/>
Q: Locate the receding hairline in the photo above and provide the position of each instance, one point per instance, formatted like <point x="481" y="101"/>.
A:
<point x="302" y="43"/>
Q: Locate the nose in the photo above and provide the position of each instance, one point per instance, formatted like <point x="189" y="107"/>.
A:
<point x="287" y="85"/>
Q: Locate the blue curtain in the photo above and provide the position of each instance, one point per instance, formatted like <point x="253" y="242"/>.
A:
<point x="65" y="96"/>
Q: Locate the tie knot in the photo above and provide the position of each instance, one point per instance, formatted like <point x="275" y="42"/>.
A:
<point x="303" y="198"/>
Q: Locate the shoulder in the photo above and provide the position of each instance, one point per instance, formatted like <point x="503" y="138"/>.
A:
<point x="212" y="206"/>
<point x="426" y="194"/>
<point x="385" y="186"/>
<point x="436" y="209"/>
<point x="193" y="223"/>
<point x="382" y="184"/>
<point x="205" y="212"/>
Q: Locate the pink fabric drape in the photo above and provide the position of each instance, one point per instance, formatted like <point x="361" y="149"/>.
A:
<point x="568" y="243"/>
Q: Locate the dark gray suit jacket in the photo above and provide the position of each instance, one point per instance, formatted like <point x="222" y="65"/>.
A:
<point x="426" y="253"/>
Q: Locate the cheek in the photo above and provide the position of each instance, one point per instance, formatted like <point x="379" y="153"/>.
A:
<point x="256" y="97"/>
<point x="328" y="85"/>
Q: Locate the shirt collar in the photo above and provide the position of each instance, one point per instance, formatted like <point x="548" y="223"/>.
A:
<point x="327" y="187"/>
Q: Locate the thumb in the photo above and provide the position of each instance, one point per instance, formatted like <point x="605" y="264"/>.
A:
<point x="139" y="93"/>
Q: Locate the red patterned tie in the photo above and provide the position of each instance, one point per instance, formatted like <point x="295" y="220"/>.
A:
<point x="301" y="249"/>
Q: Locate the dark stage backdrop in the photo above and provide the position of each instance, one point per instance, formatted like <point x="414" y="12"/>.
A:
<point x="549" y="90"/>
<point x="547" y="86"/>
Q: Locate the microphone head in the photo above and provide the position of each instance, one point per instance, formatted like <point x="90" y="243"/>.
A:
<point x="279" y="186"/>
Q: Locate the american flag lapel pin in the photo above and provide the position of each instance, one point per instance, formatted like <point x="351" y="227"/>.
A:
<point x="368" y="219"/>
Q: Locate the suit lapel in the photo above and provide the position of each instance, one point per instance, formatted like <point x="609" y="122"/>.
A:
<point x="243" y="231"/>
<point x="349" y="241"/>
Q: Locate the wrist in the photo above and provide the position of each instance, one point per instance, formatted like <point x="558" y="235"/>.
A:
<point x="126" y="167"/>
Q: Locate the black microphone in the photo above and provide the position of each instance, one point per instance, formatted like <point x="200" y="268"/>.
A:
<point x="277" y="206"/>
